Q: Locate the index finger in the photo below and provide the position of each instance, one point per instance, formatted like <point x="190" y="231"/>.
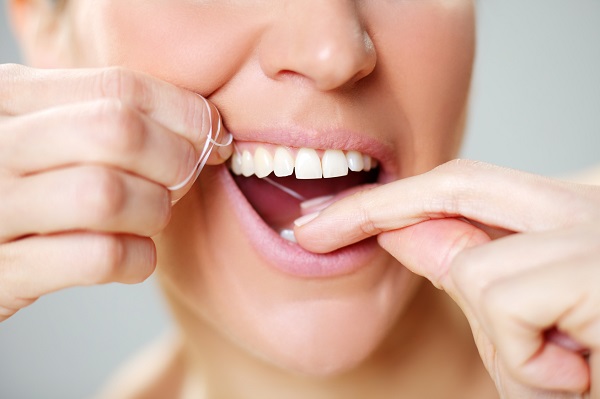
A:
<point x="491" y="195"/>
<point x="181" y="111"/>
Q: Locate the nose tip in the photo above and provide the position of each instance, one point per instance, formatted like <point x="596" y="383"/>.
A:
<point x="327" y="46"/>
<point x="340" y="62"/>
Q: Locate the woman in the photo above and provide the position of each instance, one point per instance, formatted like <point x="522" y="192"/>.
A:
<point x="371" y="92"/>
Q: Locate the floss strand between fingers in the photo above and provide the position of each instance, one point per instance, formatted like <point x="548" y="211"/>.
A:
<point x="209" y="145"/>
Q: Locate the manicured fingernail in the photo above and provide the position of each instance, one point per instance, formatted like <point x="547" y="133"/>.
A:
<point x="301" y="221"/>
<point x="315" y="202"/>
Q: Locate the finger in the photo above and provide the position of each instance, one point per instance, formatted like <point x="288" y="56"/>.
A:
<point x="39" y="265"/>
<point x="429" y="248"/>
<point x="83" y="198"/>
<point x="102" y="132"/>
<point x="595" y="367"/>
<point x="509" y="388"/>
<point x="180" y="111"/>
<point x="459" y="189"/>
<point x="520" y="308"/>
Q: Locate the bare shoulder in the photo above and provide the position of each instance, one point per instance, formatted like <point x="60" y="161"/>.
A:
<point x="156" y="372"/>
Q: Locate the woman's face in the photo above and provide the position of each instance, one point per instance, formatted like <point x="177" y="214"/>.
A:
<point x="387" y="78"/>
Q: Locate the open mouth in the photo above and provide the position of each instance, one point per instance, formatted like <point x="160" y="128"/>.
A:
<point x="276" y="180"/>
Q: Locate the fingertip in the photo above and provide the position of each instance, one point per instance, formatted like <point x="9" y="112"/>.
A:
<point x="313" y="235"/>
<point x="556" y="368"/>
<point x="221" y="149"/>
<point x="217" y="146"/>
<point x="140" y="260"/>
<point x="429" y="248"/>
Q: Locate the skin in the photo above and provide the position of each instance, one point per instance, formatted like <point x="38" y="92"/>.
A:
<point x="260" y="65"/>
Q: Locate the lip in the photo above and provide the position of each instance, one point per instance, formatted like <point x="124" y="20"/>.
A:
<point x="288" y="257"/>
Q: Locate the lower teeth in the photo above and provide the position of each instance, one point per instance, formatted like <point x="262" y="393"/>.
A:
<point x="288" y="234"/>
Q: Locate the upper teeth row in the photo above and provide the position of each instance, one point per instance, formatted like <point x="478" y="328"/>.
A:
<point x="307" y="163"/>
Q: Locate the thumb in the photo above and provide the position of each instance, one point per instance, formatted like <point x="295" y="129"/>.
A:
<point x="429" y="248"/>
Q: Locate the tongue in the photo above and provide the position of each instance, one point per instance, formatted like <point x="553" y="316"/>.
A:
<point x="279" y="209"/>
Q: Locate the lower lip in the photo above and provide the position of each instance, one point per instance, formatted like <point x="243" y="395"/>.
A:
<point x="289" y="257"/>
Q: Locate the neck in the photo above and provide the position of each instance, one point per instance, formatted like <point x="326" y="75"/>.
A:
<point x="430" y="353"/>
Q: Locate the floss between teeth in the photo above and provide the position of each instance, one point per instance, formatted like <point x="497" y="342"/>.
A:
<point x="287" y="190"/>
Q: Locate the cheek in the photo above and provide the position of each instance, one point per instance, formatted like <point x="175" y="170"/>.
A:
<point x="194" y="46"/>
<point x="426" y="55"/>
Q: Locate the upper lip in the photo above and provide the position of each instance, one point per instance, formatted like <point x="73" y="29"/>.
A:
<point x="323" y="139"/>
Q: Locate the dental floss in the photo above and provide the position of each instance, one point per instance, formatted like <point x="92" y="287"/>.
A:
<point x="272" y="182"/>
<point x="209" y="144"/>
<point x="237" y="150"/>
<point x="285" y="189"/>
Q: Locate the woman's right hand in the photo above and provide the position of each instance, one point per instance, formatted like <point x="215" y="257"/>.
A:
<point x="86" y="159"/>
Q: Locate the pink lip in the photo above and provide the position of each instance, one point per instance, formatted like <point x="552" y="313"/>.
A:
<point x="288" y="257"/>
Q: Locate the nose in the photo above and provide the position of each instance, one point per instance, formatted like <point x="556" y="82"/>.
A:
<point x="322" y="41"/>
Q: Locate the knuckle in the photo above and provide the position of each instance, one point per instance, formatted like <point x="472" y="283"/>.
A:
<point x="452" y="179"/>
<point x="107" y="255"/>
<point x="99" y="194"/>
<point x="466" y="271"/>
<point x="10" y="77"/>
<point x="122" y="83"/>
<point x="124" y="131"/>
<point x="366" y="223"/>
<point x="493" y="300"/>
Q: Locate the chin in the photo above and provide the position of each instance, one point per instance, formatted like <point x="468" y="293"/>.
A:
<point x="324" y="338"/>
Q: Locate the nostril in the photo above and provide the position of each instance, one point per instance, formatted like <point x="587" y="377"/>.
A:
<point x="287" y="74"/>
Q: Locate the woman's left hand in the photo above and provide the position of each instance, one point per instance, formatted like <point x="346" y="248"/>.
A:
<point x="520" y="254"/>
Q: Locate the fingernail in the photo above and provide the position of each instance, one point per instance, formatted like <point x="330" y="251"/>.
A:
<point x="315" y="202"/>
<point x="225" y="152"/>
<point x="301" y="221"/>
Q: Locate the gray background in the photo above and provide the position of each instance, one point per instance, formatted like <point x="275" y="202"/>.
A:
<point x="535" y="106"/>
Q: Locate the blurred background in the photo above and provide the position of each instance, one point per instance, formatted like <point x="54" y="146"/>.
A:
<point x="535" y="106"/>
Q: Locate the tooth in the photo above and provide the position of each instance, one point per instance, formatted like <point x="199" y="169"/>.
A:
<point x="374" y="163"/>
<point x="334" y="164"/>
<point x="263" y="162"/>
<point x="366" y="163"/>
<point x="247" y="164"/>
<point x="308" y="164"/>
<point x="355" y="161"/>
<point x="236" y="163"/>
<point x="283" y="162"/>
<point x="288" y="234"/>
